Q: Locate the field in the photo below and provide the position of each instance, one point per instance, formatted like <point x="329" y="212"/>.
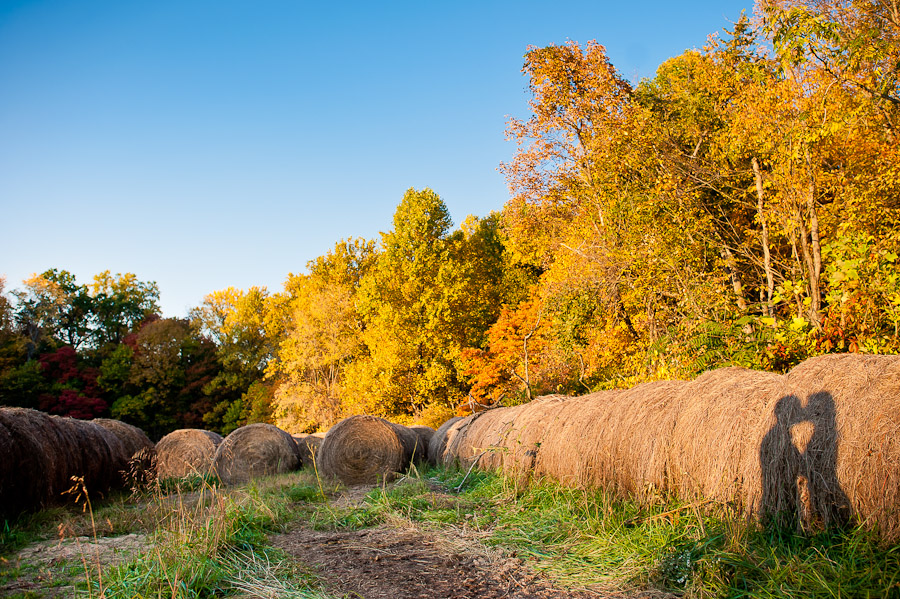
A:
<point x="431" y="533"/>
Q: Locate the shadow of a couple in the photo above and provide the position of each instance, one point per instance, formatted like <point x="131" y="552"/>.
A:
<point x="801" y="488"/>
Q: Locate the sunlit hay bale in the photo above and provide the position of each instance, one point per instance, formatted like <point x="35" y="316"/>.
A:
<point x="186" y="452"/>
<point x="308" y="445"/>
<point x="133" y="438"/>
<point x="617" y="440"/>
<point x="850" y="464"/>
<point x="423" y="438"/>
<point x="255" y="450"/>
<point x="364" y="449"/>
<point x="438" y="443"/>
<point x="510" y="439"/>
<point x="714" y="452"/>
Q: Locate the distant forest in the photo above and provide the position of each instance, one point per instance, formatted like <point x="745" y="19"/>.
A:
<point x="739" y="208"/>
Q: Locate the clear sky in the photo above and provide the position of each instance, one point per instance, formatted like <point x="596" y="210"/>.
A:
<point x="203" y="144"/>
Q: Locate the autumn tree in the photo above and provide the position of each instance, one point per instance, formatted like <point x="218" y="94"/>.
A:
<point x="323" y="334"/>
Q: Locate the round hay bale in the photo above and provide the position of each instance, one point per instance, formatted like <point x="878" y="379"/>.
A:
<point x="255" y="450"/>
<point x="842" y="427"/>
<point x="362" y="449"/>
<point x="185" y="452"/>
<point x="715" y="449"/>
<point x="308" y="445"/>
<point x="423" y="438"/>
<point x="438" y="443"/>
<point x="133" y="438"/>
<point x="30" y="477"/>
<point x="42" y="453"/>
<point x="103" y="458"/>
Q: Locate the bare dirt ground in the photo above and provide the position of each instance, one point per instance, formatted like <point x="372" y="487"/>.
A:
<point x="390" y="563"/>
<point x="51" y="568"/>
<point x="399" y="560"/>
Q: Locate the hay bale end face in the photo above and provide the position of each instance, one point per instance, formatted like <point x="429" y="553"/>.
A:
<point x="255" y="450"/>
<point x="438" y="442"/>
<point x="363" y="449"/>
<point x="186" y="452"/>
<point x="308" y="445"/>
<point x="423" y="439"/>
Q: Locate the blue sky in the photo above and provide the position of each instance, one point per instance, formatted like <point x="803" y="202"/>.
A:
<point x="207" y="144"/>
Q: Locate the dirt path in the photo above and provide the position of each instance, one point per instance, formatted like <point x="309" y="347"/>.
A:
<point x="392" y="563"/>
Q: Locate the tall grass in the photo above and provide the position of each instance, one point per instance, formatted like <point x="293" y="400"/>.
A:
<point x="211" y="543"/>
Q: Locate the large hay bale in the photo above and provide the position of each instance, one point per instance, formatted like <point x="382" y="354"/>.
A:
<point x="102" y="459"/>
<point x="715" y="448"/>
<point x="186" y="452"/>
<point x="308" y="445"/>
<point x="438" y="443"/>
<point x="362" y="449"/>
<point x="843" y="421"/>
<point x="42" y="453"/>
<point x="133" y="438"/>
<point x="255" y="450"/>
<point x="423" y="438"/>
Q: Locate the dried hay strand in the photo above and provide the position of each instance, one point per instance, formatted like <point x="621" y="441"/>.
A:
<point x="133" y="438"/>
<point x="363" y="449"/>
<point x="255" y="450"/>
<point x="438" y="443"/>
<point x="837" y="424"/>
<point x="186" y="452"/>
<point x="423" y="438"/>
<point x="715" y="449"/>
<point x="308" y="446"/>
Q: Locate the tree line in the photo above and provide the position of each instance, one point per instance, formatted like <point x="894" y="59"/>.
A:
<point x="740" y="207"/>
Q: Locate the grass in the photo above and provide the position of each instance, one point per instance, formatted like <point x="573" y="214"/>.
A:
<point x="210" y="542"/>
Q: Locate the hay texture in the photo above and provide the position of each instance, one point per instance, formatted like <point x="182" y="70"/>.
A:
<point x="186" y="452"/>
<point x="308" y="446"/>
<point x="133" y="438"/>
<point x="423" y="439"/>
<point x="842" y="416"/>
<point x="364" y="449"/>
<point x="255" y="450"/>
<point x="438" y="443"/>
<point x="42" y="454"/>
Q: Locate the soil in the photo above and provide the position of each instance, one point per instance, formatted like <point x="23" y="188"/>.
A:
<point x="46" y="569"/>
<point x="390" y="563"/>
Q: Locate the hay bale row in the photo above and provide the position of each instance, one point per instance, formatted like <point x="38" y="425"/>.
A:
<point x="364" y="449"/>
<point x="820" y="445"/>
<point x="42" y="453"/>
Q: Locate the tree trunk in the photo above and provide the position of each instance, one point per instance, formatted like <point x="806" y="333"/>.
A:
<point x="767" y="257"/>
<point x="815" y="273"/>
<point x="736" y="284"/>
